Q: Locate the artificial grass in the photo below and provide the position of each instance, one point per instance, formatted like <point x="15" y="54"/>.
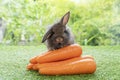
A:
<point x="13" y="61"/>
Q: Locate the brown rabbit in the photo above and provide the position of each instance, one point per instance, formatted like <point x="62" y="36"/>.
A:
<point x="59" y="35"/>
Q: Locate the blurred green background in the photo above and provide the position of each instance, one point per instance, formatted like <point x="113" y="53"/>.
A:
<point x="93" y="22"/>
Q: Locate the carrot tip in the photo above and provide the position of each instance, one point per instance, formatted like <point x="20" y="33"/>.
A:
<point x="33" y="60"/>
<point x="88" y="56"/>
<point x="29" y="66"/>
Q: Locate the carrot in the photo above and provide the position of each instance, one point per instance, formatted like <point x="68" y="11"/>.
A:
<point x="59" y="63"/>
<point x="67" y="60"/>
<point x="71" y="51"/>
<point x="30" y="66"/>
<point x="83" y="66"/>
<point x="34" y="61"/>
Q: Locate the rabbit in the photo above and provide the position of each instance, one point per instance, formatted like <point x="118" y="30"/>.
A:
<point x="59" y="35"/>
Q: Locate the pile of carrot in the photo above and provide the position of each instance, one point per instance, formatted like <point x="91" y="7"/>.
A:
<point x="67" y="60"/>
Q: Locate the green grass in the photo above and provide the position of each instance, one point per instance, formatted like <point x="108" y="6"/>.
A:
<point x="13" y="61"/>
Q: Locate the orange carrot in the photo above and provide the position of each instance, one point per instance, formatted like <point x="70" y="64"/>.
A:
<point x="60" y="54"/>
<point x="59" y="63"/>
<point x="83" y="66"/>
<point x="30" y="66"/>
<point x="34" y="61"/>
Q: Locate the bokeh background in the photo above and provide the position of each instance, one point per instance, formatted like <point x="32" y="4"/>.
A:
<point x="93" y="22"/>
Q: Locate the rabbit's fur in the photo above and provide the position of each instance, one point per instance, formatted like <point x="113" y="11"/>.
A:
<point x="59" y="35"/>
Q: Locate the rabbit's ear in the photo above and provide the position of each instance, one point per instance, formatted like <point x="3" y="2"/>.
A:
<point x="47" y="35"/>
<point x="65" y="18"/>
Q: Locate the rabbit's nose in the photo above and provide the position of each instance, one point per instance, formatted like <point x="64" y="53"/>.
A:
<point x="59" y="39"/>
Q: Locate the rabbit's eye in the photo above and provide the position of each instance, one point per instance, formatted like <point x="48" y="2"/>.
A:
<point x="65" y="31"/>
<point x="53" y="32"/>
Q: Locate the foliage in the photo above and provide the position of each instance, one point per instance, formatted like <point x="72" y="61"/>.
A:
<point x="94" y="22"/>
